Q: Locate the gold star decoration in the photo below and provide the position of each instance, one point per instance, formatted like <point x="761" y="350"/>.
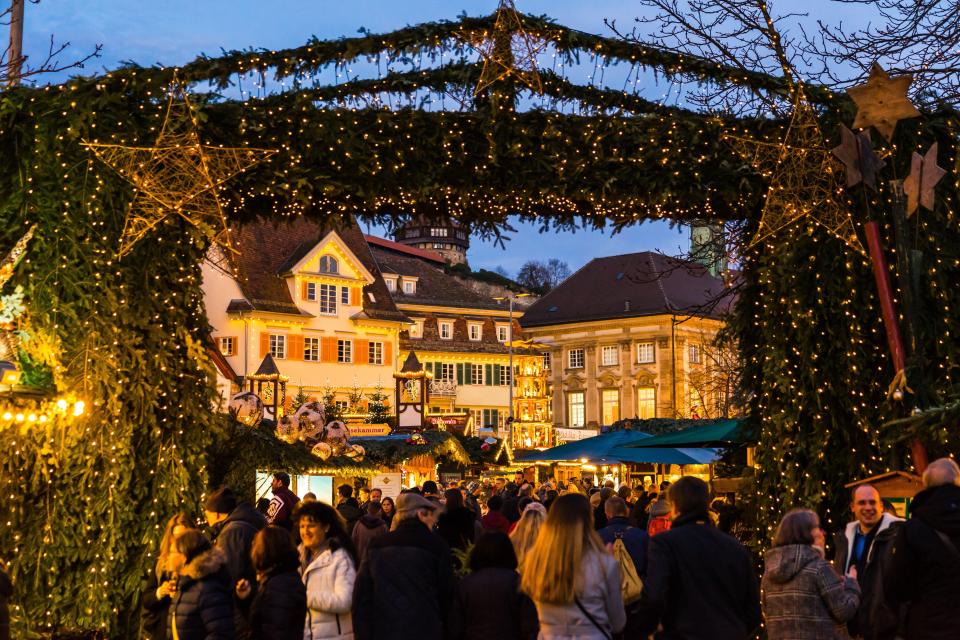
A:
<point x="882" y="102"/>
<point x="924" y="176"/>
<point x="511" y="52"/>
<point x="176" y="176"/>
<point x="802" y="178"/>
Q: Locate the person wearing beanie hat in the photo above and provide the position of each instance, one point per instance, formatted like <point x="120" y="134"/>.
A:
<point x="659" y="517"/>
<point x="233" y="524"/>
<point x="405" y="584"/>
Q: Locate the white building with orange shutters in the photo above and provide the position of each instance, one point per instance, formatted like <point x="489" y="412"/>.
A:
<point x="314" y="299"/>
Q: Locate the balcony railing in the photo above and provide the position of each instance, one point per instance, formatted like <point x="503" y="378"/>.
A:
<point x="444" y="388"/>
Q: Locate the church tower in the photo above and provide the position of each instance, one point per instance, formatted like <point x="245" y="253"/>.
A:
<point x="708" y="246"/>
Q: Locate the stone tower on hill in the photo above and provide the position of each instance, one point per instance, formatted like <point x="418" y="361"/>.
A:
<point x="449" y="238"/>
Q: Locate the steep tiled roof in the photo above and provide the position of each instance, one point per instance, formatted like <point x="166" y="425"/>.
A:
<point x="628" y="286"/>
<point x="402" y="248"/>
<point x="434" y="287"/>
<point x="267" y="249"/>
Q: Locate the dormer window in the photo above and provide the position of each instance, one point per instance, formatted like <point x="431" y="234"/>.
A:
<point x="391" y="283"/>
<point x="328" y="264"/>
<point x="409" y="287"/>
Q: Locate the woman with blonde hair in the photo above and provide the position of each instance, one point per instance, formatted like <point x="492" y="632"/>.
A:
<point x="528" y="527"/>
<point x="162" y="581"/>
<point x="571" y="578"/>
<point x="803" y="595"/>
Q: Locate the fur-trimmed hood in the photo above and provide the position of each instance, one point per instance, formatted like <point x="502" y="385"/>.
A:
<point x="206" y="564"/>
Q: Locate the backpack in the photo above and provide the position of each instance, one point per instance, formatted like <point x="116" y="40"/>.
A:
<point x="631" y="586"/>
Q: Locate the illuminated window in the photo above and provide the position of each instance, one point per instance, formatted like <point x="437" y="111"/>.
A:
<point x="646" y="353"/>
<point x="344" y="351"/>
<point x="328" y="264"/>
<point x="311" y="291"/>
<point x="375" y="353"/>
<point x="610" y="356"/>
<point x="694" y="354"/>
<point x="546" y="362"/>
<point x="311" y="349"/>
<point x="646" y="403"/>
<point x="228" y="346"/>
<point x="576" y="416"/>
<point x="278" y="346"/>
<point x="416" y="329"/>
<point x="438" y="232"/>
<point x="610" y="401"/>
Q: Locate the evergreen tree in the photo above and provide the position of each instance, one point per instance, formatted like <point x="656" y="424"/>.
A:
<point x="300" y="399"/>
<point x="330" y="408"/>
<point x="378" y="410"/>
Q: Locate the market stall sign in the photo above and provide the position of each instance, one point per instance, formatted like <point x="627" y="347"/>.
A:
<point x="369" y="430"/>
<point x="572" y="435"/>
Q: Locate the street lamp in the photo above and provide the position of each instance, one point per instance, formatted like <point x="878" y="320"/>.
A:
<point x="511" y="298"/>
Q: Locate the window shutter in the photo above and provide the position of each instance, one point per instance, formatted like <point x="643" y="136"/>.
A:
<point x="294" y="347"/>
<point x="264" y="344"/>
<point x="361" y="351"/>
<point x="388" y="353"/>
<point x="497" y="377"/>
<point x="428" y="366"/>
<point x="303" y="290"/>
<point x="328" y="349"/>
<point x="460" y="373"/>
<point x="355" y="296"/>
<point x="488" y="374"/>
<point x="495" y="417"/>
<point x="467" y="373"/>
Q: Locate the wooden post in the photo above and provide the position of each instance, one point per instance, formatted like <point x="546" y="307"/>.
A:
<point x="15" y="51"/>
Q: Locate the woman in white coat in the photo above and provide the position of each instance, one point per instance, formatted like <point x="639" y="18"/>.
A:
<point x="329" y="569"/>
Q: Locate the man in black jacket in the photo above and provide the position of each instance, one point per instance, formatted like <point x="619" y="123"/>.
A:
<point x="348" y="507"/>
<point x="863" y="544"/>
<point x="405" y="584"/>
<point x="923" y="568"/>
<point x="700" y="582"/>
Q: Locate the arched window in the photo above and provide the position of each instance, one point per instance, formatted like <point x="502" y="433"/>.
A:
<point x="328" y="264"/>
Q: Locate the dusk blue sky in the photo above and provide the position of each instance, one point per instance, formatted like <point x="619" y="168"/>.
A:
<point x="176" y="31"/>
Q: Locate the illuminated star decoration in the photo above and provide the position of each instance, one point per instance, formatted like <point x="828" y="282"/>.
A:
<point x="882" y="102"/>
<point x="855" y="151"/>
<point x="924" y="176"/>
<point x="176" y="176"/>
<point x="802" y="178"/>
<point x="509" y="52"/>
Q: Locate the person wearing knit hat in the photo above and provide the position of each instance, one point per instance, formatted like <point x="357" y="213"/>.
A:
<point x="406" y="577"/>
<point x="659" y="517"/>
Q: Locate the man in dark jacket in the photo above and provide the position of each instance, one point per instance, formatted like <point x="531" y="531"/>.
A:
<point x="923" y="568"/>
<point x="700" y="582"/>
<point x="863" y="544"/>
<point x="405" y="584"/>
<point x="280" y="511"/>
<point x="234" y="524"/>
<point x="618" y="526"/>
<point x="348" y="507"/>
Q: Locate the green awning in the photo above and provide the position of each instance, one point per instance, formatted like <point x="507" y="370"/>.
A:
<point x="714" y="433"/>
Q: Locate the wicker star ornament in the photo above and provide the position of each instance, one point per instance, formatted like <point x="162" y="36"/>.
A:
<point x="511" y="52"/>
<point x="177" y="176"/>
<point x="882" y="102"/>
<point x="802" y="176"/>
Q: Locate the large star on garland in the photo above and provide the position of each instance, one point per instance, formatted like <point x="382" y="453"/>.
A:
<point x="511" y="51"/>
<point x="802" y="178"/>
<point x="882" y="102"/>
<point x="176" y="176"/>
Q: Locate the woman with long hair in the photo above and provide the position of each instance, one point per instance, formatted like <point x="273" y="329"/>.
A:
<point x="571" y="578"/>
<point x="162" y="581"/>
<point x="279" y="608"/>
<point x="202" y="607"/>
<point x="527" y="530"/>
<point x="329" y="569"/>
<point x="803" y="596"/>
<point x="388" y="510"/>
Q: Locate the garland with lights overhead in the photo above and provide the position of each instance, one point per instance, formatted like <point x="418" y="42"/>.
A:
<point x="87" y="495"/>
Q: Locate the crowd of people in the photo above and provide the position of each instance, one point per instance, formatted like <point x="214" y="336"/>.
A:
<point x="508" y="560"/>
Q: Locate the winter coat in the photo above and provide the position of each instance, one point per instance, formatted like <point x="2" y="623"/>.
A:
<point x="154" y="611"/>
<point x="598" y="592"/>
<point x="922" y="571"/>
<point x="278" y="609"/>
<point x="367" y="528"/>
<point x="700" y="583"/>
<point x="6" y="591"/>
<point x="404" y="586"/>
<point x="634" y="539"/>
<point x="877" y="618"/>
<point x="804" y="598"/>
<point x="234" y="536"/>
<point x="486" y="591"/>
<point x="330" y="579"/>
<point x="280" y="511"/>
<point x="456" y="527"/>
<point x="350" y="510"/>
<point x="202" y="607"/>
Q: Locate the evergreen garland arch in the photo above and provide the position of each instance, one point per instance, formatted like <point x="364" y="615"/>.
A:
<point x="85" y="500"/>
